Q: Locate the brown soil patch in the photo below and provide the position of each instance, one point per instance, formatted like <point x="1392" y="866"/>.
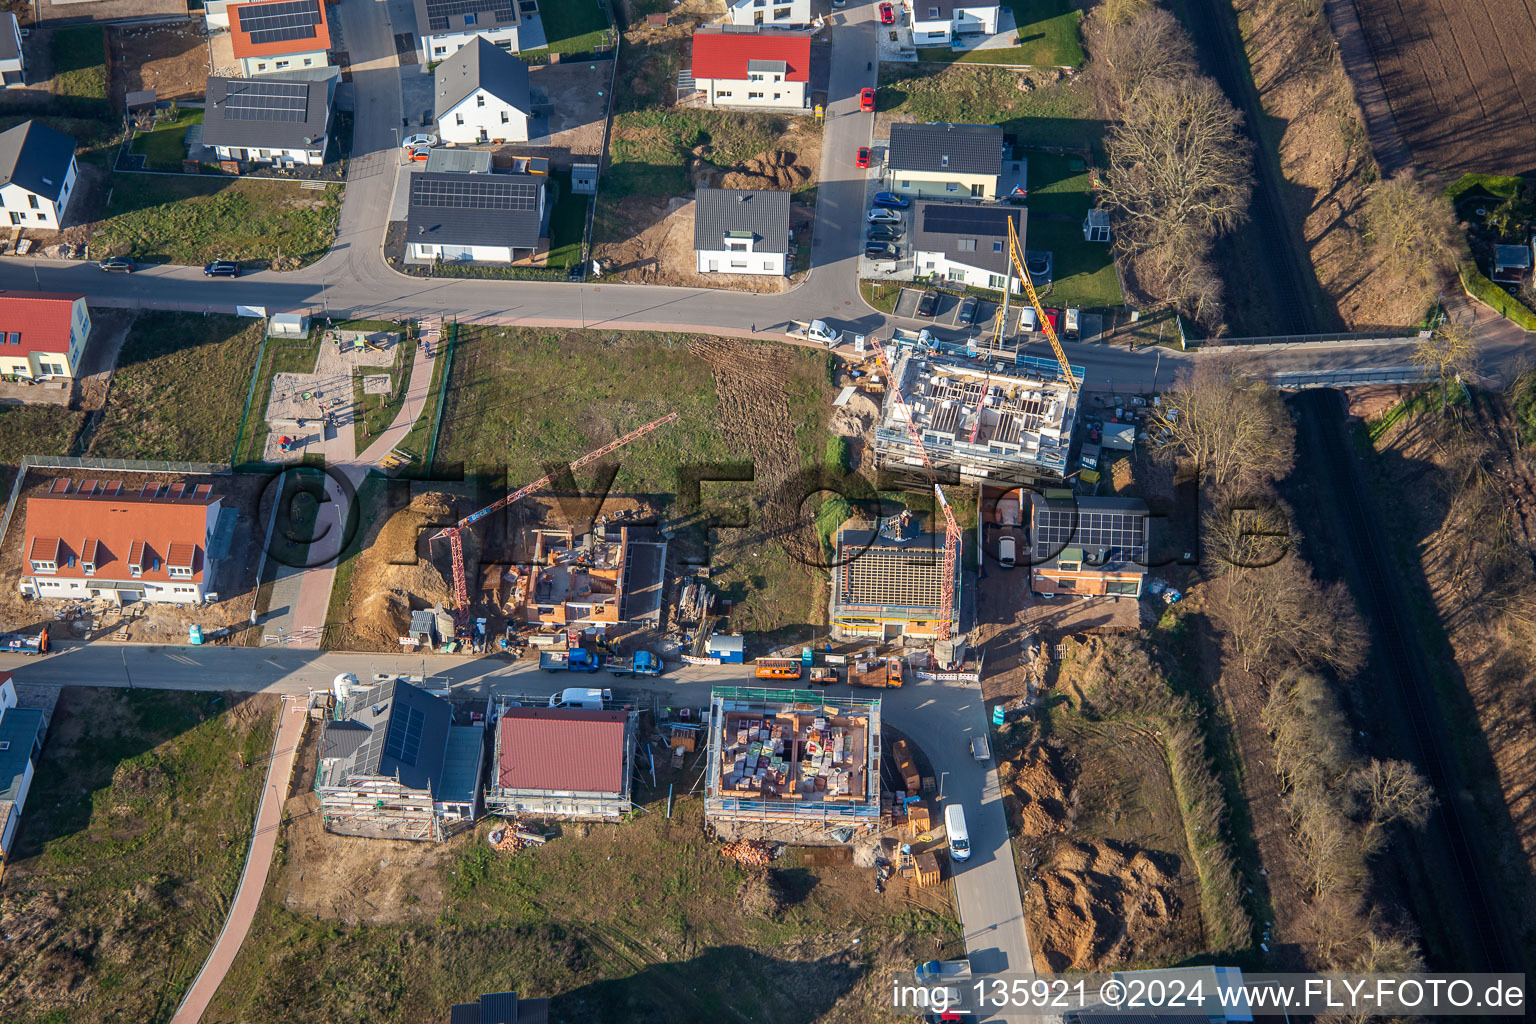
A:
<point x="391" y="580"/>
<point x="1036" y="779"/>
<point x="171" y="59"/>
<point x="1099" y="904"/>
<point x="778" y="169"/>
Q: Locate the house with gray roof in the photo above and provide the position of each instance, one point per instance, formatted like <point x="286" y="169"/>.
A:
<point x="966" y="243"/>
<point x="482" y="95"/>
<point x="21" y="744"/>
<point x="953" y="161"/>
<point x="12" y="70"/>
<point x="483" y="218"/>
<point x="741" y="231"/>
<point x="37" y="175"/>
<point x="272" y="119"/>
<point x="394" y="765"/>
<point x="939" y="22"/>
<point x="500" y="1008"/>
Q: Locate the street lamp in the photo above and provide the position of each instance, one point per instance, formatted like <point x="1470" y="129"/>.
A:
<point x="941" y="785"/>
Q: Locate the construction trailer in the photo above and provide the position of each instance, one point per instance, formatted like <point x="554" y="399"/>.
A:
<point x="568" y="763"/>
<point x="992" y="422"/>
<point x="889" y="581"/>
<point x="394" y="765"/>
<point x="793" y="764"/>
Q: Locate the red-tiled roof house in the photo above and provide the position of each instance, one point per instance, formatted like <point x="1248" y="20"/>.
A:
<point x="42" y="334"/>
<point x="562" y="763"/>
<point x="769" y="70"/>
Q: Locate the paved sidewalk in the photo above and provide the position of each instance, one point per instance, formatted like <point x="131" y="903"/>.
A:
<point x="269" y="814"/>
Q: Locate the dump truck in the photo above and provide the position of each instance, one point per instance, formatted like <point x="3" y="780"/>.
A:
<point x="24" y="643"/>
<point x="576" y="659"/>
<point x="814" y="330"/>
<point x="643" y="663"/>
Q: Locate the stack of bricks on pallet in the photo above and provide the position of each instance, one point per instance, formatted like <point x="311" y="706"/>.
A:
<point x="794" y="757"/>
<point x="909" y="774"/>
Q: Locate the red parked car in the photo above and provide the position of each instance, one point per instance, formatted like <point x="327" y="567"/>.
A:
<point x="1053" y="317"/>
<point x="887" y="14"/>
<point x="862" y="160"/>
<point x="866" y="99"/>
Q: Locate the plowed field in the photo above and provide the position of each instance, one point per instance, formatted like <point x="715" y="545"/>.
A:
<point x="1461" y="79"/>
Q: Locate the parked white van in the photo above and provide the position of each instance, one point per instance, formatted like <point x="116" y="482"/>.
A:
<point x="580" y="697"/>
<point x="1007" y="551"/>
<point x="954" y="830"/>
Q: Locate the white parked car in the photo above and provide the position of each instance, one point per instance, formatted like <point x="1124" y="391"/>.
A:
<point x="412" y="141"/>
<point x="884" y="216"/>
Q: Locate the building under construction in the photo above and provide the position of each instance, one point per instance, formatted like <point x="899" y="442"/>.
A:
<point x="792" y="764"/>
<point x="609" y="576"/>
<point x="1026" y="419"/>
<point x="888" y="581"/>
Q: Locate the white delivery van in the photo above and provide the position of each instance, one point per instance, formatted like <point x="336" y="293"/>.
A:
<point x="1074" y="320"/>
<point x="1007" y="552"/>
<point x="954" y="830"/>
<point x="1029" y="323"/>
<point x="580" y="697"/>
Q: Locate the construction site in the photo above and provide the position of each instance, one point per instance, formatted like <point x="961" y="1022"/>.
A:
<point x="607" y="576"/>
<point x="792" y="765"/>
<point x="983" y="422"/>
<point x="888" y="581"/>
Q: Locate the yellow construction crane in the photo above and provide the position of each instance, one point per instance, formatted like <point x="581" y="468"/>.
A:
<point x="1034" y="300"/>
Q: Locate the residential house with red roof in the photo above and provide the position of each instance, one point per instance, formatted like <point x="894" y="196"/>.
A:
<point x="766" y="70"/>
<point x="100" y="540"/>
<point x="275" y="37"/>
<point x="562" y="763"/>
<point x="42" y="334"/>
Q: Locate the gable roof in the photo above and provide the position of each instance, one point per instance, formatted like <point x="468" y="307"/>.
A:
<point x="10" y="37"/>
<point x="438" y="16"/>
<point x="961" y="148"/>
<point x="41" y="319"/>
<point x="944" y="10"/>
<point x="475" y="209"/>
<point x="119" y="529"/>
<point x="271" y="112"/>
<point x="481" y="65"/>
<point x="763" y="212"/>
<point x="1101" y="534"/>
<point x="727" y="54"/>
<point x="393" y="729"/>
<point x="18" y="728"/>
<point x="274" y="27"/>
<point x="35" y="157"/>
<point x="562" y="749"/>
<point x="967" y="233"/>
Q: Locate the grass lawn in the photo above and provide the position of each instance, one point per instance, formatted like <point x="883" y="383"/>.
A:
<point x="1048" y="37"/>
<point x="128" y="854"/>
<point x="418" y="439"/>
<point x="180" y="388"/>
<point x="881" y="294"/>
<point x="639" y="922"/>
<point x="80" y="65"/>
<point x="377" y="412"/>
<point x="1052" y="114"/>
<point x="165" y="147"/>
<point x="649" y="147"/>
<point x="191" y="220"/>
<point x="33" y="430"/>
<point x="570" y="26"/>
<point x="567" y="224"/>
<point x="1058" y="185"/>
<point x="1083" y="272"/>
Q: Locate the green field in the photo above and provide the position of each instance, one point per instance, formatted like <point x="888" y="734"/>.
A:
<point x="165" y="147"/>
<point x="180" y="388"/>
<point x="34" y="430"/>
<point x="80" y="67"/>
<point x="570" y="27"/>
<point x="191" y="220"/>
<point x="1083" y="272"/>
<point x="649" y="148"/>
<point x="1048" y="33"/>
<point x="133" y="838"/>
<point x="567" y="224"/>
<point x="1060" y="114"/>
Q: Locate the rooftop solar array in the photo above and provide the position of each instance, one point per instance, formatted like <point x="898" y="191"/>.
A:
<point x="1124" y="533"/>
<point x="257" y="100"/>
<point x="474" y="193"/>
<point x="404" y="741"/>
<point x="961" y="220"/>
<point x="280" y="22"/>
<point x="440" y="11"/>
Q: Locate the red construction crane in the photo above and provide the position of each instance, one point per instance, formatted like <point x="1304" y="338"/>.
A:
<point x="952" y="539"/>
<point x="981" y="403"/>
<point x="456" y="543"/>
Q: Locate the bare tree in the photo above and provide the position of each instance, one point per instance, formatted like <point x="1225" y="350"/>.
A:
<point x="1383" y="792"/>
<point x="1179" y="165"/>
<point x="1134" y="42"/>
<point x="1248" y="530"/>
<point x="1280" y="611"/>
<point x="1447" y="353"/>
<point x="1411" y="229"/>
<point x="1233" y="425"/>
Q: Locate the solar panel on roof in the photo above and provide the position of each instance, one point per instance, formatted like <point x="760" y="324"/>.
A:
<point x="1122" y="533"/>
<point x="957" y="220"/>
<point x="474" y="194"/>
<point x="257" y="100"/>
<point x="404" y="740"/>
<point x="440" y="11"/>
<point x="280" y="22"/>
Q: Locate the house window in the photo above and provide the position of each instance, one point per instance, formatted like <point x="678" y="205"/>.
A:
<point x="439" y="51"/>
<point x="15" y="337"/>
<point x="135" y="571"/>
<point x="40" y="566"/>
<point x="89" y="568"/>
<point x="754" y="95"/>
<point x="282" y="64"/>
<point x="57" y="369"/>
<point x="956" y="274"/>
<point x="181" y="572"/>
<point x="738" y="264"/>
<point x="469" y="19"/>
<point x="906" y="185"/>
<point x="776" y="95"/>
<point x="754" y="78"/>
<point x="736" y="246"/>
<point x="952" y="186"/>
<point x="480" y="100"/>
<point x="995" y="281"/>
<point x="1125" y="587"/>
<point x="32" y="200"/>
<point x="504" y="117"/>
<point x="723" y="92"/>
<point x="458" y="118"/>
<point x="308" y="61"/>
<point x="261" y="67"/>
<point x="965" y="244"/>
<point x="944" y="160"/>
<point x="978" y="192"/>
<point x="997" y="246"/>
<point x="933" y="14"/>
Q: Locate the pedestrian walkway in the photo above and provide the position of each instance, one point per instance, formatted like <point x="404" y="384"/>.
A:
<point x="269" y="816"/>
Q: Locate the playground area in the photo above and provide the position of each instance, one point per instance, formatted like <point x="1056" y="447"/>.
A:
<point x="306" y="409"/>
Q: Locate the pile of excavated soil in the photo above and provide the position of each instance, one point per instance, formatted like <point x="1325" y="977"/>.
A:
<point x="776" y="169"/>
<point x="1100" y="903"/>
<point x="857" y="417"/>
<point x="1034" y="778"/>
<point x="391" y="582"/>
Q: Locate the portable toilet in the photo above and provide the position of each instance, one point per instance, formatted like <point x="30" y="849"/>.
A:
<point x="805" y="657"/>
<point x="728" y="647"/>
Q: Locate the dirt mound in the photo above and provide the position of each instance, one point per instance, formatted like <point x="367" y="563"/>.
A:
<point x="857" y="417"/>
<point x="1100" y="904"/>
<point x="1035" y="779"/>
<point x="391" y="581"/>
<point x="775" y="169"/>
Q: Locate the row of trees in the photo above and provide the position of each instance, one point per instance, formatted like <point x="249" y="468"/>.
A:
<point x="1180" y="165"/>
